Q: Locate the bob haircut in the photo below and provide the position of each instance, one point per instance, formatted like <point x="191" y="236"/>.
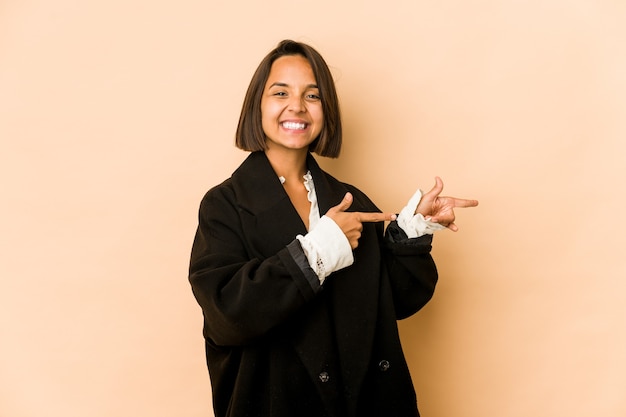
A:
<point x="250" y="135"/>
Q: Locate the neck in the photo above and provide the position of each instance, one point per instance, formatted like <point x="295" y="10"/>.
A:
<point x="289" y="164"/>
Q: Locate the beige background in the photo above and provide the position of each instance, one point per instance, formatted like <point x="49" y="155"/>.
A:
<point x="116" y="116"/>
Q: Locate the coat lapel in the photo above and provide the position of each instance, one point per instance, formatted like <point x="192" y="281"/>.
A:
<point x="269" y="219"/>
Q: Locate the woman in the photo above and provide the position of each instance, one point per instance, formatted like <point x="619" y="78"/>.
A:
<point x="299" y="286"/>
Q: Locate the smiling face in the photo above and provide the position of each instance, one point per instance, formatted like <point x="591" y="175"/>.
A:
<point x="291" y="110"/>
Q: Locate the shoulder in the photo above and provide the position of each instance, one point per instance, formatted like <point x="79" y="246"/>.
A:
<point x="228" y="189"/>
<point x="361" y="201"/>
<point x="357" y="193"/>
<point x="219" y="195"/>
<point x="332" y="190"/>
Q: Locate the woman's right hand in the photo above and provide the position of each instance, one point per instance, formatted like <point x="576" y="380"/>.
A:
<point x="351" y="223"/>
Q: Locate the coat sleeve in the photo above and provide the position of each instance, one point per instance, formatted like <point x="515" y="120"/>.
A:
<point x="241" y="298"/>
<point x="412" y="271"/>
<point x="408" y="265"/>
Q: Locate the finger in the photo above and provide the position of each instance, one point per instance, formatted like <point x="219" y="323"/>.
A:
<point x="448" y="223"/>
<point x="375" y="217"/>
<point x="344" y="204"/>
<point x="460" y="202"/>
<point x="437" y="188"/>
<point x="443" y="220"/>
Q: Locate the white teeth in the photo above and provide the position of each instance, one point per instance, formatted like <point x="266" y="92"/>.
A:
<point x="294" y="125"/>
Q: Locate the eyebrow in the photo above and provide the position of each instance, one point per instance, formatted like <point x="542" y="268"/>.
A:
<point x="281" y="84"/>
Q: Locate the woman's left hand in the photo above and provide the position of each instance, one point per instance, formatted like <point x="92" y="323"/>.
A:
<point x="439" y="209"/>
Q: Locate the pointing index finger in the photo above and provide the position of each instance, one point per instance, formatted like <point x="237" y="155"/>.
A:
<point x="375" y="217"/>
<point x="460" y="202"/>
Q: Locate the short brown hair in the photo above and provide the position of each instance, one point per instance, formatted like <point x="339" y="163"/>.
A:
<point x="250" y="135"/>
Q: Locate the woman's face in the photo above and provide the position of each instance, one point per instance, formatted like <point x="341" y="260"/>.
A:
<point x="291" y="110"/>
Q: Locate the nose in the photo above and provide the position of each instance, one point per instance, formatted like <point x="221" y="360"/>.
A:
<point x="297" y="105"/>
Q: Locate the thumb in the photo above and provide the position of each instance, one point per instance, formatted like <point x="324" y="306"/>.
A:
<point x="437" y="188"/>
<point x="344" y="204"/>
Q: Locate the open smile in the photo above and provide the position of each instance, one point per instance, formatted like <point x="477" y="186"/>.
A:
<point x="294" y="125"/>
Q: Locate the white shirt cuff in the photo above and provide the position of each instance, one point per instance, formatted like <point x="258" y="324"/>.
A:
<point x="327" y="248"/>
<point x="415" y="225"/>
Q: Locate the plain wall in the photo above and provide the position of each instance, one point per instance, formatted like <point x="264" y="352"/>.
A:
<point x="116" y="116"/>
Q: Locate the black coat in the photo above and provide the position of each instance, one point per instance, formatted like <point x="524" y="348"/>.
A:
<point x="278" y="344"/>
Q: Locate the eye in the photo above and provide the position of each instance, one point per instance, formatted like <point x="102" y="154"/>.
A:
<point x="312" y="96"/>
<point x="280" y="94"/>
